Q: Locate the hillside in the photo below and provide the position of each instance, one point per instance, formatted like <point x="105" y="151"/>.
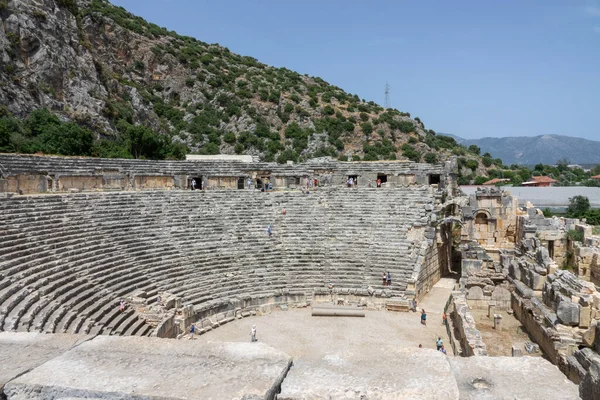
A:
<point x="544" y="149"/>
<point x="118" y="86"/>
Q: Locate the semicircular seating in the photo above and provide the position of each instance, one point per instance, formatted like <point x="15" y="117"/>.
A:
<point x="67" y="260"/>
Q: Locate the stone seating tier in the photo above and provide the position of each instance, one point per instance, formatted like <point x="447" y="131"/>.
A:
<point x="67" y="260"/>
<point x="19" y="163"/>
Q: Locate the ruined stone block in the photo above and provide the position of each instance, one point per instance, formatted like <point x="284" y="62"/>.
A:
<point x="585" y="317"/>
<point x="568" y="313"/>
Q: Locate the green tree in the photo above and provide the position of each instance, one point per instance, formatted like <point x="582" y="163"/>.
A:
<point x="142" y="142"/>
<point x="68" y="139"/>
<point x="474" y="149"/>
<point x="430" y="158"/>
<point x="578" y="206"/>
<point x="472" y="164"/>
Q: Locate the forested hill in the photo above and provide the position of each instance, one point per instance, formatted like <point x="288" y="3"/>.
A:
<point x="88" y="78"/>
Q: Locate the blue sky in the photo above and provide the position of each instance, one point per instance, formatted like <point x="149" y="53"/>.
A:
<point x="472" y="68"/>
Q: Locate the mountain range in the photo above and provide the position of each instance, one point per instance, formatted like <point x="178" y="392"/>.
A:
<point x="531" y="150"/>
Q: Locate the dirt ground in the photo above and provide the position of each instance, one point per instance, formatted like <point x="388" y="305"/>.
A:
<point x="302" y="336"/>
<point x="500" y="342"/>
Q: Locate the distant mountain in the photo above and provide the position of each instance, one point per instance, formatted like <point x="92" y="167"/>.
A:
<point x="531" y="150"/>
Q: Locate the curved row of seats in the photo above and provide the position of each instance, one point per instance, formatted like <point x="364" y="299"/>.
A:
<point x="67" y="260"/>
<point x="21" y="163"/>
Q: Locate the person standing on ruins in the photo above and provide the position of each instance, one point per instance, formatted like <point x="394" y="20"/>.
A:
<point x="423" y="317"/>
<point x="443" y="349"/>
<point x="249" y="183"/>
<point x="438" y="343"/>
<point x="253" y="334"/>
<point x="389" y="279"/>
<point x="384" y="278"/>
<point x="192" y="330"/>
<point x="193" y="184"/>
<point x="269" y="231"/>
<point x="122" y="305"/>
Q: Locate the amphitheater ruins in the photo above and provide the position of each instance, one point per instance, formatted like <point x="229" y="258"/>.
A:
<point x="106" y="265"/>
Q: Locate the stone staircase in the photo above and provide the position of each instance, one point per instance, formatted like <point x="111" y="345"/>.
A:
<point x="67" y="260"/>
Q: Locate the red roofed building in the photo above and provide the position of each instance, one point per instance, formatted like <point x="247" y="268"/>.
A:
<point x="540" y="181"/>
<point x="496" y="180"/>
<point x="597" y="177"/>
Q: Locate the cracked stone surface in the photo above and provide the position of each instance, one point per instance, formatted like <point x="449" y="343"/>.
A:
<point x="22" y="352"/>
<point x="109" y="367"/>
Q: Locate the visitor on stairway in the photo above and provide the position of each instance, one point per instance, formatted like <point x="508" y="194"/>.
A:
<point x="122" y="305"/>
<point x="384" y="278"/>
<point x="193" y="184"/>
<point x="389" y="279"/>
<point x="443" y="349"/>
<point x="378" y="182"/>
<point x="269" y="230"/>
<point x="192" y="330"/>
<point x="443" y="318"/>
<point x="284" y="211"/>
<point x="423" y="317"/>
<point x="253" y="334"/>
<point x="438" y="343"/>
<point x="249" y="183"/>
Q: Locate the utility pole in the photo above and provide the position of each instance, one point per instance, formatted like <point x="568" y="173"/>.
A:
<point x="387" y="95"/>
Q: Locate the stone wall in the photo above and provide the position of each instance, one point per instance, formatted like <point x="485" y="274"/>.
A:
<point x="432" y="263"/>
<point x="36" y="174"/>
<point x="464" y="323"/>
<point x="490" y="219"/>
<point x="586" y="259"/>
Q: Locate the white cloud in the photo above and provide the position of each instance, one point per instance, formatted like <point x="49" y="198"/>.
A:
<point x="593" y="11"/>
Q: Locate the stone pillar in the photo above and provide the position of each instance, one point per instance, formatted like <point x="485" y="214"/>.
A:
<point x="516" y="351"/>
<point x="497" y="320"/>
<point x="491" y="308"/>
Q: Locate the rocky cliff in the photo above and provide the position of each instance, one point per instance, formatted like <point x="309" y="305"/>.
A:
<point x="95" y="64"/>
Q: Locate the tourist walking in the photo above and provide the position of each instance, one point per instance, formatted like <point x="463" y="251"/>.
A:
<point x="423" y="317"/>
<point x="413" y="305"/>
<point x="253" y="334"/>
<point x="193" y="184"/>
<point x="384" y="278"/>
<point x="389" y="279"/>
<point x="249" y="183"/>
<point x="192" y="331"/>
<point x="269" y="230"/>
<point x="443" y="349"/>
<point x="122" y="305"/>
<point x="438" y="343"/>
<point x="444" y="318"/>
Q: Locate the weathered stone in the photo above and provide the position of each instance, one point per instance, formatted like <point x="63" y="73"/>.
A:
<point x="585" y="317"/>
<point x="510" y="378"/>
<point x="516" y="351"/>
<point x="500" y="294"/>
<point x="568" y="313"/>
<point x="228" y="370"/>
<point x="475" y="293"/>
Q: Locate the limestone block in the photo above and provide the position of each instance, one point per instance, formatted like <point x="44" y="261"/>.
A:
<point x="568" y="313"/>
<point x="589" y="336"/>
<point x="537" y="280"/>
<point x="475" y="293"/>
<point x="516" y="351"/>
<point x="585" y="317"/>
<point x="500" y="294"/>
